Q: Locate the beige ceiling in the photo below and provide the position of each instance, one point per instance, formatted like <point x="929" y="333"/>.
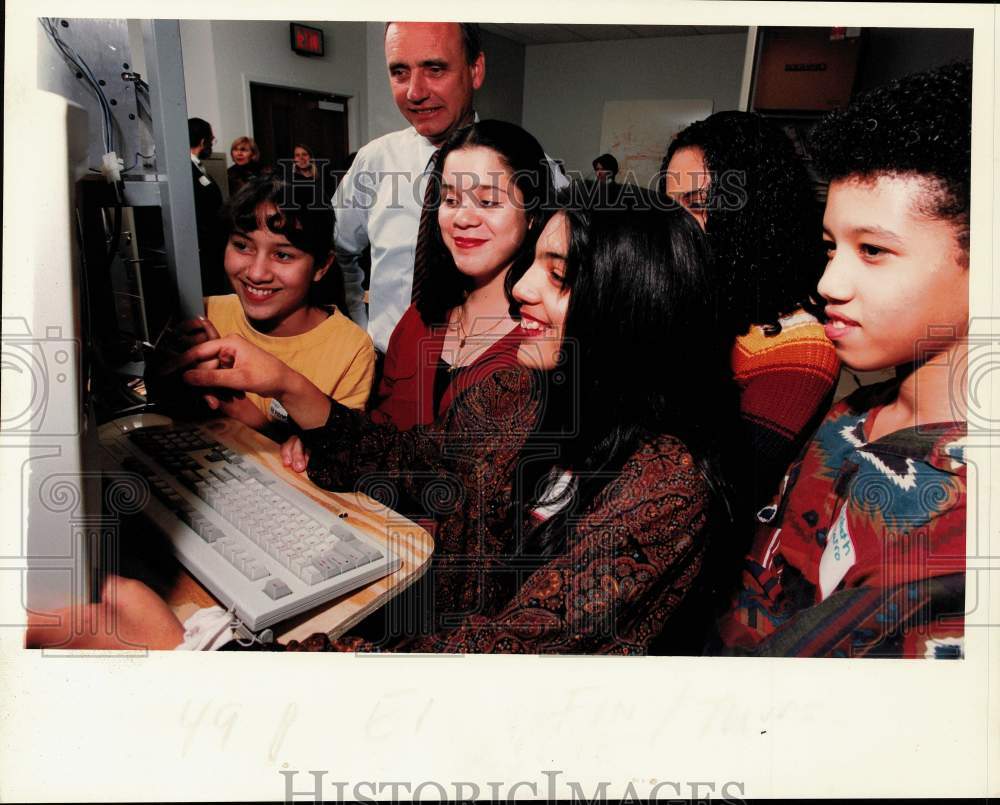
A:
<point x="554" y="33"/>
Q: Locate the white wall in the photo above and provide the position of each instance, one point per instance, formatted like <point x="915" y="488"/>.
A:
<point x="502" y="94"/>
<point x="222" y="57"/>
<point x="565" y="86"/>
<point x="383" y="116"/>
<point x="200" y="77"/>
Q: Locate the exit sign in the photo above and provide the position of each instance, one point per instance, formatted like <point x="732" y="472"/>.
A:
<point x="306" y="40"/>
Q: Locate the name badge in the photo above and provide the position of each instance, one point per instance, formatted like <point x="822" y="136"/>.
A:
<point x="205" y="181"/>
<point x="838" y="556"/>
<point x="277" y="411"/>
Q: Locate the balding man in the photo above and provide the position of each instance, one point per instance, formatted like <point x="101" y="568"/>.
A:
<point x="434" y="69"/>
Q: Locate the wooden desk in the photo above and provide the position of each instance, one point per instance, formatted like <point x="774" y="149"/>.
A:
<point x="411" y="543"/>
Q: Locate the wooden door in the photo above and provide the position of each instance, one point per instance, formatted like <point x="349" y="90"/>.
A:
<point x="284" y="116"/>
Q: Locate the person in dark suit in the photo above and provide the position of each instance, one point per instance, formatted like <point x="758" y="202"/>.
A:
<point x="207" y="203"/>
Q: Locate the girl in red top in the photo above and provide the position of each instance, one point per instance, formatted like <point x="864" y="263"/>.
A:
<point x="459" y="331"/>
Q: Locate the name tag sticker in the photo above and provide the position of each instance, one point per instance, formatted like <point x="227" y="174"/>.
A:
<point x="205" y="181"/>
<point x="838" y="556"/>
<point x="277" y="411"/>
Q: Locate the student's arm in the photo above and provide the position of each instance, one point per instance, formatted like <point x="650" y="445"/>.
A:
<point x="130" y="616"/>
<point x="351" y="204"/>
<point x="470" y="446"/>
<point x="780" y="407"/>
<point x="636" y="554"/>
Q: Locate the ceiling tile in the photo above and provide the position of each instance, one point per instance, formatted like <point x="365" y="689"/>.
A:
<point x="508" y="31"/>
<point x="720" y="29"/>
<point x="647" y="31"/>
<point x="548" y="34"/>
<point x="601" y="33"/>
<point x="556" y="33"/>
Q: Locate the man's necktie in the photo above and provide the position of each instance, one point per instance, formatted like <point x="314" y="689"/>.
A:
<point x="427" y="214"/>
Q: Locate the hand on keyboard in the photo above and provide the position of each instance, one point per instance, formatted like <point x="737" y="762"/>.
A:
<point x="294" y="454"/>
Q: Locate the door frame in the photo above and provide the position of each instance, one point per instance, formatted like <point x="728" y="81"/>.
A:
<point x="354" y="140"/>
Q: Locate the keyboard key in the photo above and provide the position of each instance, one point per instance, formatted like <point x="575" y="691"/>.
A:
<point x="240" y="560"/>
<point x="352" y="553"/>
<point x="276" y="588"/>
<point x="221" y="544"/>
<point x="298" y="564"/>
<point x="350" y="558"/>
<point x="370" y="552"/>
<point x="331" y="564"/>
<point x="312" y="575"/>
<point x="210" y="533"/>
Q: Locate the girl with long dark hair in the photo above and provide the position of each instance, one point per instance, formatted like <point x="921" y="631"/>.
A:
<point x="739" y="177"/>
<point x="488" y="191"/>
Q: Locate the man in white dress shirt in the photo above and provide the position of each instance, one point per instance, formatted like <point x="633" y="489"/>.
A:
<point x="434" y="69"/>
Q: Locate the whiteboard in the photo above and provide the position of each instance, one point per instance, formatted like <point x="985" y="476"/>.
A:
<point x="637" y="133"/>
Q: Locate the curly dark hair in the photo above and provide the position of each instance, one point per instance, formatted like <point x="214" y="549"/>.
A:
<point x="763" y="223"/>
<point x="919" y="125"/>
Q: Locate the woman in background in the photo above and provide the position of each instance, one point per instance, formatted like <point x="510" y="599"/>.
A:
<point x="246" y="164"/>
<point x="740" y="178"/>
<point x="303" y="167"/>
<point x="307" y="179"/>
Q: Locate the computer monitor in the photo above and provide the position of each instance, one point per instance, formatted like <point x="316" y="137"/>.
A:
<point x="47" y="430"/>
<point x="63" y="324"/>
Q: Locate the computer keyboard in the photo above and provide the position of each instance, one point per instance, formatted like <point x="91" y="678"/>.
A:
<point x="259" y="545"/>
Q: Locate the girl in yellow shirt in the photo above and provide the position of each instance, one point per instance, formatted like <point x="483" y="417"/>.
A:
<point x="277" y="255"/>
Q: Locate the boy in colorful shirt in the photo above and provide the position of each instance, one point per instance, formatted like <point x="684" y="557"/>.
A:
<point x="863" y="553"/>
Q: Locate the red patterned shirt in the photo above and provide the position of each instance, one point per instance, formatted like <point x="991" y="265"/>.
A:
<point x="863" y="552"/>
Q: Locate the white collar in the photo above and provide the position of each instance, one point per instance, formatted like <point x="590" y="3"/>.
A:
<point x="428" y="143"/>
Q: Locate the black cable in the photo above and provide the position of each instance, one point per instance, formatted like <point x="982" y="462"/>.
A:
<point x="138" y="156"/>
<point x="116" y="233"/>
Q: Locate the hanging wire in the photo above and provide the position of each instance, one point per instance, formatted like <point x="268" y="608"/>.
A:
<point x="82" y="68"/>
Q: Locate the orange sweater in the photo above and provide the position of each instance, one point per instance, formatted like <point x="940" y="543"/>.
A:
<point x="786" y="382"/>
